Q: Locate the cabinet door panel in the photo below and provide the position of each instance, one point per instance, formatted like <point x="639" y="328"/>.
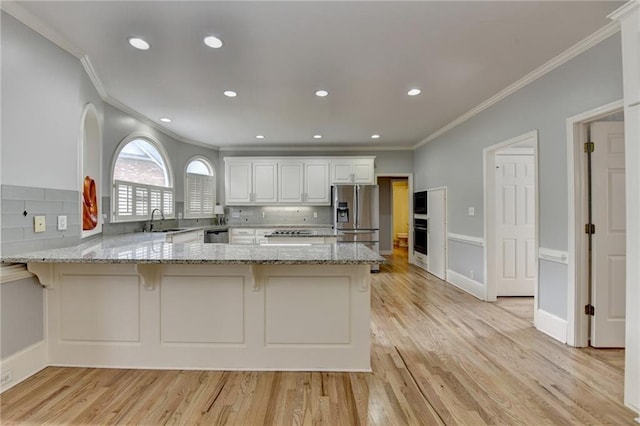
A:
<point x="265" y="180"/>
<point x="363" y="171"/>
<point x="238" y="183"/>
<point x="317" y="189"/>
<point x="290" y="178"/>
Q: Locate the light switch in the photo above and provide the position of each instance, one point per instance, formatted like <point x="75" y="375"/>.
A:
<point x="62" y="223"/>
<point x="315" y="215"/>
<point x="39" y="224"/>
<point x="472" y="211"/>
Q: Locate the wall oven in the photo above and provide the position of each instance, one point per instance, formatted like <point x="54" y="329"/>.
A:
<point x="420" y="235"/>
<point x="420" y="202"/>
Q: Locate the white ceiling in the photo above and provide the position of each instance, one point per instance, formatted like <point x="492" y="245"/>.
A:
<point x="276" y="54"/>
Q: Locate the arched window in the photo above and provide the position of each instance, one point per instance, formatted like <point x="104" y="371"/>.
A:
<point x="199" y="188"/>
<point x="142" y="181"/>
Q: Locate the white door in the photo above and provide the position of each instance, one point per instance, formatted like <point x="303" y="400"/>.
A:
<point x="290" y="177"/>
<point x="515" y="220"/>
<point x="437" y="232"/>
<point x="608" y="242"/>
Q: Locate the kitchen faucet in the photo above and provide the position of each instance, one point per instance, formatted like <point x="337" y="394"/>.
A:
<point x="151" y="220"/>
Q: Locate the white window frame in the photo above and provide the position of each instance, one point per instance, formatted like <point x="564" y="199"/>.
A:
<point x="188" y="214"/>
<point x="167" y="202"/>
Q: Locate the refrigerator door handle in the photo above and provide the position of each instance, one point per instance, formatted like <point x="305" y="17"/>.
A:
<point x="356" y="207"/>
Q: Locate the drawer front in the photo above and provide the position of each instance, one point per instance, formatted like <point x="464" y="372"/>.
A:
<point x="242" y="231"/>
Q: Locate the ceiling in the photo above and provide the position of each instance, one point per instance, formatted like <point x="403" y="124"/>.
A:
<point x="277" y="54"/>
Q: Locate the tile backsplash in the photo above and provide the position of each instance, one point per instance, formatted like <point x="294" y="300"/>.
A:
<point x="19" y="206"/>
<point x="279" y="215"/>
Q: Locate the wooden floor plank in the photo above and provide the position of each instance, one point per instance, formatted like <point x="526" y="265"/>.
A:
<point x="439" y="357"/>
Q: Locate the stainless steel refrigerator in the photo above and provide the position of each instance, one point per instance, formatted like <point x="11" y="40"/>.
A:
<point x="355" y="215"/>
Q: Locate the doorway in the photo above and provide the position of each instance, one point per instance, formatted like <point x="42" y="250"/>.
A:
<point x="396" y="204"/>
<point x="511" y="219"/>
<point x="597" y="252"/>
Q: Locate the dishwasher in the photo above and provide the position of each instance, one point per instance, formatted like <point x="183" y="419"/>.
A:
<point x="219" y="236"/>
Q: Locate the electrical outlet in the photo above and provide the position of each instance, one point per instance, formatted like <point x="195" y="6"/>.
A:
<point x="6" y="377"/>
<point x="315" y="215"/>
<point x="62" y="223"/>
<point x="471" y="211"/>
<point x="179" y="216"/>
<point x="471" y="274"/>
<point x="39" y="224"/>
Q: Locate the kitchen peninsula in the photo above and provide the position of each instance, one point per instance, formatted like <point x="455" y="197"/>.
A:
<point x="136" y="301"/>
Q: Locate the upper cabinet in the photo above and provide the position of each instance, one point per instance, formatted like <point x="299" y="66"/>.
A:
<point x="350" y="170"/>
<point x="304" y="181"/>
<point x="250" y="181"/>
<point x="291" y="180"/>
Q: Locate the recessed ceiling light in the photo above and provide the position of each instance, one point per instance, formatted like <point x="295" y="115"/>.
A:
<point x="230" y="93"/>
<point x="139" y="43"/>
<point x="375" y="136"/>
<point x="317" y="136"/>
<point x="213" y="42"/>
<point x="414" y="92"/>
<point x="165" y="120"/>
<point x="321" y="93"/>
<point x="260" y="137"/>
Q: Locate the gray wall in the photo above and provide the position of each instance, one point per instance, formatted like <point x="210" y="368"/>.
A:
<point x="455" y="159"/>
<point x="118" y="125"/>
<point x="21" y="315"/>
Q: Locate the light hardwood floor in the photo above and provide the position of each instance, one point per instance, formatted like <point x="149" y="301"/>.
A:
<point x="439" y="356"/>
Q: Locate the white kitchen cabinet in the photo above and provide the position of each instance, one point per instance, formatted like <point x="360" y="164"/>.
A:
<point x="250" y="182"/>
<point x="249" y="235"/>
<point x="242" y="236"/>
<point x="317" y="189"/>
<point x="260" y="235"/>
<point x="186" y="237"/>
<point x="238" y="182"/>
<point x="291" y="182"/>
<point x="350" y="170"/>
<point x="304" y="182"/>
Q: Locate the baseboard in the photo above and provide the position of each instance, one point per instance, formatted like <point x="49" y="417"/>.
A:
<point x="551" y="325"/>
<point x="466" y="284"/>
<point x="24" y="364"/>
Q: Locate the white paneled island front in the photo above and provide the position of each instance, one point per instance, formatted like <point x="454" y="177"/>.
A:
<point x="140" y="302"/>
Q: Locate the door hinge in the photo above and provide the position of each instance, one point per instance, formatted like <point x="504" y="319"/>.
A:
<point x="590" y="228"/>
<point x="589" y="310"/>
<point x="589" y="147"/>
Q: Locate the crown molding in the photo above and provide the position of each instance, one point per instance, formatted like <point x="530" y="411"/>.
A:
<point x="93" y="76"/>
<point x="624" y="10"/>
<point x="575" y="50"/>
<point x="312" y="148"/>
<point x="39" y="26"/>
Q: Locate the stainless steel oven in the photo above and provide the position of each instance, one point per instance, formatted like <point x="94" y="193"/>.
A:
<point x="420" y="231"/>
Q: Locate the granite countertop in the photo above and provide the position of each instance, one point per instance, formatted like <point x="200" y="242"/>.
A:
<point x="152" y="248"/>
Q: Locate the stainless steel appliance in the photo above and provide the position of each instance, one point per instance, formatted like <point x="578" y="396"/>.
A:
<point x="356" y="217"/>
<point x="420" y="233"/>
<point x="219" y="236"/>
<point x="420" y="202"/>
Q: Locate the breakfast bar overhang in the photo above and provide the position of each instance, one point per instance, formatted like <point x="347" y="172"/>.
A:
<point x="144" y="303"/>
